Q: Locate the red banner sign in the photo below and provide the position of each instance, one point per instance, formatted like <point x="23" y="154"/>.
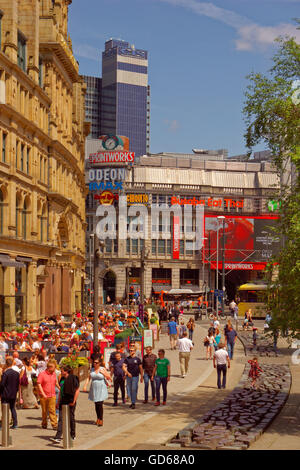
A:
<point x="176" y="236"/>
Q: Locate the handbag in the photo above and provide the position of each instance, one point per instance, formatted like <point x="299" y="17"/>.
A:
<point x="24" y="379"/>
<point x="206" y="342"/>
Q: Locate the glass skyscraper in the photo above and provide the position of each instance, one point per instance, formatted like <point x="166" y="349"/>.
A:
<point x="93" y="105"/>
<point x="125" y="97"/>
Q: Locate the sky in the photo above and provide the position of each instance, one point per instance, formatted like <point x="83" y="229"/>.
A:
<point x="200" y="54"/>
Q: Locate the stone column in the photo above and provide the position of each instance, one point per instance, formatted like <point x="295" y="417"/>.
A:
<point x="31" y="313"/>
<point x="9" y="301"/>
<point x="175" y="278"/>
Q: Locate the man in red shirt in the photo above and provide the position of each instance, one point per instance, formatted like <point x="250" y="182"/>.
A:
<point x="47" y="382"/>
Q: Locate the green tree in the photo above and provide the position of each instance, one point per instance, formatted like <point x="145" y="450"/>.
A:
<point x="272" y="116"/>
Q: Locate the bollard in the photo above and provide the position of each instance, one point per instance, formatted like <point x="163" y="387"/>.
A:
<point x="5" y="425"/>
<point x="67" y="441"/>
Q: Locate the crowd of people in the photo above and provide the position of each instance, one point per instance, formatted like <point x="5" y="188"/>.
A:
<point x="37" y="380"/>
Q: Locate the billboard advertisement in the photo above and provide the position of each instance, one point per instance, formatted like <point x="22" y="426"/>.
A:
<point x="248" y="240"/>
<point x="176" y="236"/>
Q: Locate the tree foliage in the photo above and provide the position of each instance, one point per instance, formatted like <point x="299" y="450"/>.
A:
<point x="272" y="116"/>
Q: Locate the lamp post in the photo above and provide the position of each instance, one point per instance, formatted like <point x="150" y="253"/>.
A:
<point x="97" y="252"/>
<point x="203" y="258"/>
<point x="220" y="217"/>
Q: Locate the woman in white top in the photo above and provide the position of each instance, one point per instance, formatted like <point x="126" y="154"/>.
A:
<point x="27" y="397"/>
<point x="209" y="343"/>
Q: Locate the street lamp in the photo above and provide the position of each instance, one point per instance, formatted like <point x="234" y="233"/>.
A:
<point x="97" y="252"/>
<point x="220" y="217"/>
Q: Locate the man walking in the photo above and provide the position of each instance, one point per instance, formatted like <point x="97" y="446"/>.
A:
<point x="133" y="368"/>
<point x="148" y="367"/>
<point x="185" y="347"/>
<point x="172" y="332"/>
<point x="47" y="382"/>
<point x="117" y="371"/>
<point x="230" y="338"/>
<point x="219" y="361"/>
<point x="9" y="387"/>
<point x="162" y="372"/>
<point x="69" y="391"/>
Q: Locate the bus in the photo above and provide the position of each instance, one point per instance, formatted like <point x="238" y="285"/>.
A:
<point x="251" y="297"/>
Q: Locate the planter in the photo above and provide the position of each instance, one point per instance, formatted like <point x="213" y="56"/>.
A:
<point x="81" y="372"/>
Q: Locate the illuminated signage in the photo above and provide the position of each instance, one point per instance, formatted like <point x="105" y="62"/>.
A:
<point x="117" y="186"/>
<point x="274" y="205"/>
<point x="106" y="198"/>
<point x="137" y="198"/>
<point x="161" y="281"/>
<point x="210" y="202"/>
<point x="111" y="157"/>
<point x="107" y="174"/>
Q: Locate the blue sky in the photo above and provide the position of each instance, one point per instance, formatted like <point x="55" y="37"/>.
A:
<point x="199" y="56"/>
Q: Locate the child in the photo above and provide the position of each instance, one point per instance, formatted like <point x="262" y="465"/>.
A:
<point x="254" y="371"/>
<point x="254" y="329"/>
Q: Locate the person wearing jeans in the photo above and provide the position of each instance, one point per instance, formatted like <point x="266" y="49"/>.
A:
<point x="221" y="357"/>
<point x="9" y="387"/>
<point x="162" y="372"/>
<point x="230" y="336"/>
<point x="133" y="368"/>
<point x="69" y="391"/>
<point x="148" y="367"/>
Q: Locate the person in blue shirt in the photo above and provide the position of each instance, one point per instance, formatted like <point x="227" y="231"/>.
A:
<point x="172" y="332"/>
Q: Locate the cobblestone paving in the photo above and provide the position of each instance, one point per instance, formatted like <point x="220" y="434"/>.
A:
<point x="264" y="345"/>
<point x="245" y="413"/>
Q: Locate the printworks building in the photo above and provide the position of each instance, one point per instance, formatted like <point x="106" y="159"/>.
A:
<point x="239" y="190"/>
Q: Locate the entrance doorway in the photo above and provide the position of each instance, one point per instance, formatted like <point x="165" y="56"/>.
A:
<point x="109" y="287"/>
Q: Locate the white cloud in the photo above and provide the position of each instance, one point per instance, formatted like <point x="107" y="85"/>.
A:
<point x="172" y="125"/>
<point x="250" y="34"/>
<point x="86" y="51"/>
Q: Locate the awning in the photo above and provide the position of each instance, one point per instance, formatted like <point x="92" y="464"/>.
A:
<point x="5" y="260"/>
<point x="159" y="287"/>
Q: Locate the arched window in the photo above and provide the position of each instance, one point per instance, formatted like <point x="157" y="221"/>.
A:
<point x="18" y="212"/>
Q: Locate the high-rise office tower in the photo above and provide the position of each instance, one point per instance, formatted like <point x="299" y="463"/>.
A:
<point x="125" y="100"/>
<point x="93" y="105"/>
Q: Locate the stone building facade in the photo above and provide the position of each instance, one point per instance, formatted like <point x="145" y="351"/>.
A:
<point x="42" y="186"/>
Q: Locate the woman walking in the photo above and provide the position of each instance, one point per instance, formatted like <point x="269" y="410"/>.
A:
<point x="98" y="391"/>
<point x="28" y="398"/>
<point x="191" y="327"/>
<point x="209" y="343"/>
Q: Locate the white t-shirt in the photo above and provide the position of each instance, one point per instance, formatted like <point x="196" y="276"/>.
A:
<point x="3" y="346"/>
<point x="221" y="356"/>
<point x="184" y="345"/>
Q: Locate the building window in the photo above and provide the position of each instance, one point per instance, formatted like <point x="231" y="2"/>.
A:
<point x="40" y="72"/>
<point x="161" y="247"/>
<point x="168" y="247"/>
<point x="21" y="51"/>
<point x="181" y="250"/>
<point x="28" y="160"/>
<point x="1" y="211"/>
<point x="128" y="246"/>
<point x="4" y="137"/>
<point x="24" y="221"/>
<point x="154" y="247"/>
<point x="134" y="246"/>
<point x="22" y="158"/>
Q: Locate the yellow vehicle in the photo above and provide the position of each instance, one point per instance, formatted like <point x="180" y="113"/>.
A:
<point x="251" y="297"/>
